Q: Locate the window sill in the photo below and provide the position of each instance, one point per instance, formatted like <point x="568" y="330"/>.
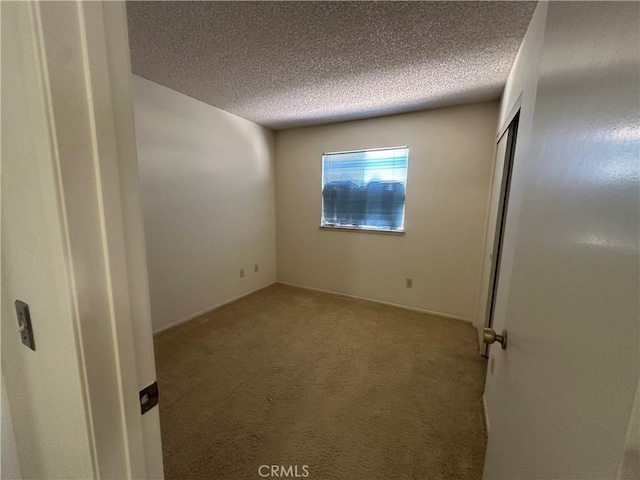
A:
<point x="362" y="230"/>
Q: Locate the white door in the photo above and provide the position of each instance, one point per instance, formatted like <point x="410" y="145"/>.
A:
<point x="73" y="246"/>
<point x="560" y="397"/>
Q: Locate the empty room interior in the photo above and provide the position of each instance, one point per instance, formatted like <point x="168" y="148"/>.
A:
<point x="299" y="162"/>
<point x="366" y="240"/>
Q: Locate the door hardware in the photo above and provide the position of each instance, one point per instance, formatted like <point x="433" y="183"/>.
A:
<point x="489" y="336"/>
<point x="24" y="324"/>
<point x="148" y="397"/>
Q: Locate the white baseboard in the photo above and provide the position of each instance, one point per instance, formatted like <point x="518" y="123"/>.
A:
<point x="486" y="416"/>
<point x="207" y="310"/>
<point x="397" y="305"/>
<point x="357" y="297"/>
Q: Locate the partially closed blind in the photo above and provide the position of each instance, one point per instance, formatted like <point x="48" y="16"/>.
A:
<point x="365" y="189"/>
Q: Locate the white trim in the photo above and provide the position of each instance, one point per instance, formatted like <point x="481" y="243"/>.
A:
<point x="517" y="105"/>
<point x="54" y="150"/>
<point x="486" y="415"/>
<point x="89" y="189"/>
<point x="382" y="302"/>
<point x="109" y="211"/>
<point x="40" y="112"/>
<point x="209" y="309"/>
<point x="485" y="265"/>
<point x="363" y="230"/>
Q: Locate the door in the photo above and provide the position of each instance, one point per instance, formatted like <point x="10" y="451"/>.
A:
<point x="73" y="246"/>
<point x="560" y="397"/>
<point x="505" y="151"/>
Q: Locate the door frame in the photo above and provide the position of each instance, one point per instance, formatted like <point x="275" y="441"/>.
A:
<point x="487" y="279"/>
<point x="84" y="75"/>
<point x="501" y="219"/>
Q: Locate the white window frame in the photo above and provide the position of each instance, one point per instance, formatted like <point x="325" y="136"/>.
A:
<point x="364" y="229"/>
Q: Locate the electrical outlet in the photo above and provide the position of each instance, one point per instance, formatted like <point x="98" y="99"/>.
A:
<point x="255" y="268"/>
<point x="491" y="363"/>
<point x="409" y="282"/>
<point x="242" y="273"/>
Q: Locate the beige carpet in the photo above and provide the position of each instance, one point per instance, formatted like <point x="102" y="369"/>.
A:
<point x="352" y="389"/>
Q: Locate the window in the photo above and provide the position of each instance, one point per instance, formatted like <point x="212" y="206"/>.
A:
<point x="365" y="189"/>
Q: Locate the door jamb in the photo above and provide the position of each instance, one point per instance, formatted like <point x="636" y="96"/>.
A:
<point x="503" y="206"/>
<point x="77" y="75"/>
<point x="490" y="236"/>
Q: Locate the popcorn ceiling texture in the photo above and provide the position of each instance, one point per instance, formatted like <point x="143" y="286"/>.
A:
<point x="288" y="64"/>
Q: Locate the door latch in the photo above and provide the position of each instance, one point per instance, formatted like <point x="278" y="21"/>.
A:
<point x="148" y="397"/>
<point x="24" y="324"/>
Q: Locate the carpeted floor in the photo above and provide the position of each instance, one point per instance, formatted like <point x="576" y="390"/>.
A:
<point x="351" y="389"/>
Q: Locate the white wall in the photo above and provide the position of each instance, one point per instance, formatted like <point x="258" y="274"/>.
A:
<point x="207" y="180"/>
<point x="561" y="395"/>
<point x="450" y="168"/>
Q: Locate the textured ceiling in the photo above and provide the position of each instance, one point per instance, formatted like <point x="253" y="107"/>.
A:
<point x="285" y="64"/>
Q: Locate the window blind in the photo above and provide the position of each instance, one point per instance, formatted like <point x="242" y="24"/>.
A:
<point x="365" y="189"/>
